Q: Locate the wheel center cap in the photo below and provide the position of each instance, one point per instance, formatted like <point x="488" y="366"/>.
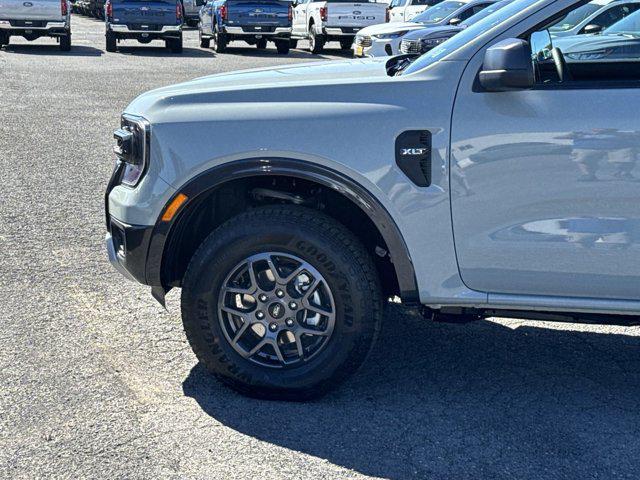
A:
<point x="276" y="310"/>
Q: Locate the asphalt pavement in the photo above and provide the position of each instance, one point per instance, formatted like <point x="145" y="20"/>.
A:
<point x="97" y="380"/>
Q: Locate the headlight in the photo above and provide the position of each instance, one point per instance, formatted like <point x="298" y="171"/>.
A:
<point x="132" y="147"/>
<point x="590" y="55"/>
<point x="429" y="43"/>
<point x="387" y="36"/>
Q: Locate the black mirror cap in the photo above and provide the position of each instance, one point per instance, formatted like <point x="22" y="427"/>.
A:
<point x="592" y="28"/>
<point x="507" y="66"/>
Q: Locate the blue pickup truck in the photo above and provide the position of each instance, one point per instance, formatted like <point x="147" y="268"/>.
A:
<point x="253" y="21"/>
<point x="144" y="21"/>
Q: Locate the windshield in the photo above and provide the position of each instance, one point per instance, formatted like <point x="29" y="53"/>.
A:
<point x="627" y="26"/>
<point x="468" y="34"/>
<point x="574" y="17"/>
<point x="485" y="12"/>
<point x="437" y="12"/>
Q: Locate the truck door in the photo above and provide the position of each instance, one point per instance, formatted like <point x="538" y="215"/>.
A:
<point x="396" y="10"/>
<point x="416" y="7"/>
<point x="299" y="22"/>
<point x="546" y="181"/>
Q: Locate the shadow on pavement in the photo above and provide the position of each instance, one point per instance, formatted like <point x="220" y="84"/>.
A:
<point x="270" y="51"/>
<point x="160" y="51"/>
<point x="463" y="401"/>
<point x="39" y="49"/>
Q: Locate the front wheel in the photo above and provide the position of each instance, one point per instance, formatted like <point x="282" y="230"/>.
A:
<point x="261" y="44"/>
<point x="4" y="39"/>
<point x="281" y="302"/>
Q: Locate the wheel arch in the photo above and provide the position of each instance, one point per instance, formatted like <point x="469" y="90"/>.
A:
<point x="197" y="189"/>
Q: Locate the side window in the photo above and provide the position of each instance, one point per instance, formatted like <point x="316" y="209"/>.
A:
<point x="611" y="56"/>
<point x="472" y="11"/>
<point x="397" y="3"/>
<point x="613" y="15"/>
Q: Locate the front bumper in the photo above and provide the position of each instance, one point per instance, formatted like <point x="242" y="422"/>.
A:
<point x="128" y="248"/>
<point x="378" y="48"/>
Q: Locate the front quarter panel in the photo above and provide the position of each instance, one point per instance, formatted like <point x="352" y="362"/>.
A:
<point x="350" y="127"/>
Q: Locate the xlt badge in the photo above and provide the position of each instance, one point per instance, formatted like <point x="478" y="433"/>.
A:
<point x="413" y="156"/>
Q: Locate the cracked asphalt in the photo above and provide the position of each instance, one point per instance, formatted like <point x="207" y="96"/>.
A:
<point x="97" y="380"/>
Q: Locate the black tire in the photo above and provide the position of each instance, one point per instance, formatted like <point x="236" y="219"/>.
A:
<point x="282" y="47"/>
<point x="261" y="44"/>
<point x="346" y="44"/>
<point x="293" y="44"/>
<point x="174" y="44"/>
<point x="205" y="42"/>
<point x="329" y="248"/>
<point x="111" y="42"/>
<point x="316" y="42"/>
<point x="4" y="39"/>
<point x="65" y="42"/>
<point x="220" y="41"/>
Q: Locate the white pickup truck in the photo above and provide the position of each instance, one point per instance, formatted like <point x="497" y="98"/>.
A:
<point x="333" y="20"/>
<point x="33" y="19"/>
<point x="405" y="10"/>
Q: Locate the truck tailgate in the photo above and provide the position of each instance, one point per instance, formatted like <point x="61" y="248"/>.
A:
<point x="31" y="10"/>
<point x="144" y="13"/>
<point x="258" y="12"/>
<point x="341" y="14"/>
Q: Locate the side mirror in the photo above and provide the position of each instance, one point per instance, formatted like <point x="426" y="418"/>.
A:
<point x="592" y="28"/>
<point x="507" y="66"/>
<point x="200" y="3"/>
<point x="455" y="21"/>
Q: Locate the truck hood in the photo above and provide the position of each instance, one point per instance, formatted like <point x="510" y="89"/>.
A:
<point x="598" y="47"/>
<point x="262" y="80"/>
<point x="393" y="27"/>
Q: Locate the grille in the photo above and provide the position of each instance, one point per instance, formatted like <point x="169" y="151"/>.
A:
<point x="410" y="46"/>
<point x="364" y="41"/>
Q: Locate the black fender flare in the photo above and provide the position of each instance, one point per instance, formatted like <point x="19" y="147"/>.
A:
<point x="322" y="175"/>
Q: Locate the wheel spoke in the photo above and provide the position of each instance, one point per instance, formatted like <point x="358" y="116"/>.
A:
<point x="274" y="270"/>
<point x="299" y="346"/>
<point x="311" y="331"/>
<point x="241" y="331"/>
<point x="316" y="309"/>
<point x="276" y="348"/>
<point x="253" y="285"/>
<point x="258" y="347"/>
<point x="316" y="283"/>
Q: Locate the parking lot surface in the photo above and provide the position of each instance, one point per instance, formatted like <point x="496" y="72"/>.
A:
<point x="99" y="382"/>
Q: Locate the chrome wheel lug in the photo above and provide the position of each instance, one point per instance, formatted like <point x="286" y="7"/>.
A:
<point x="293" y="305"/>
<point x="279" y="293"/>
<point x="259" y="315"/>
<point x="289" y="322"/>
<point x="273" y="327"/>
<point x="262" y="297"/>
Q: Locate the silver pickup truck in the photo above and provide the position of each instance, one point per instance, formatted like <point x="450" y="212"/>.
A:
<point x="495" y="175"/>
<point x="33" y="19"/>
